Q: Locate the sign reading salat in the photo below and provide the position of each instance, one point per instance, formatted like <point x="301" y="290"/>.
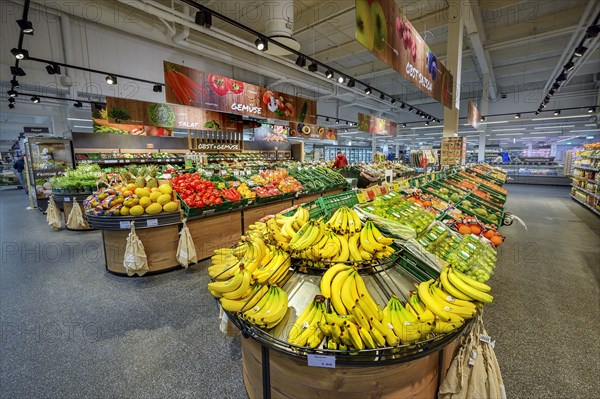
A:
<point x="386" y="32"/>
<point x="188" y="86"/>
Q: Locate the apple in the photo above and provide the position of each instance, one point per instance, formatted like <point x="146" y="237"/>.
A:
<point x="378" y="19"/>
<point x="413" y="50"/>
<point x="364" y="26"/>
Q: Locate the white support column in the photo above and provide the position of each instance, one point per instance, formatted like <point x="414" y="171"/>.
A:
<point x="484" y="110"/>
<point x="553" y="149"/>
<point x="454" y="64"/>
<point x="529" y="149"/>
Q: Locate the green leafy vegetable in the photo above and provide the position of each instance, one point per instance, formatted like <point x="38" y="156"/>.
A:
<point x="119" y="114"/>
<point x="161" y="115"/>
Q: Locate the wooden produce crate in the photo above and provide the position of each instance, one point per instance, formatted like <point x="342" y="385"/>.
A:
<point x="252" y="214"/>
<point x="215" y="231"/>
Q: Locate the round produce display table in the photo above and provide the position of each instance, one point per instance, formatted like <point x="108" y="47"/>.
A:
<point x="272" y="374"/>
<point x="64" y="202"/>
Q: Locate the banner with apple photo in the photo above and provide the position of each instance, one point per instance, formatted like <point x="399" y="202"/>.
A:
<point x="309" y="131"/>
<point x="188" y="86"/>
<point x="377" y="126"/>
<point x="386" y="32"/>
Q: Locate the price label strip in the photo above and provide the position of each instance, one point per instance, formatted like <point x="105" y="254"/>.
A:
<point x="321" y="361"/>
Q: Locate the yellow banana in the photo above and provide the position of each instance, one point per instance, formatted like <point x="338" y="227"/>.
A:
<point x="451" y="289"/>
<point x="379" y="237"/>
<point x="344" y="223"/>
<point x="424" y="314"/>
<point x="336" y="291"/>
<point x="366" y="255"/>
<point x="353" y="248"/>
<point x="242" y="289"/>
<point x="227" y="286"/>
<point x="344" y="253"/>
<point x="442" y="327"/>
<point x="378" y="338"/>
<point x="428" y="300"/>
<point x="365" y="336"/>
<point x="301" y="234"/>
<point x="360" y="317"/>
<point x="328" y="276"/>
<point x="390" y="337"/>
<point x="273" y="316"/>
<point x="467" y="289"/>
<point x="262" y="305"/>
<point x="403" y="329"/>
<point x="372" y="241"/>
<point x="363" y="294"/>
<point x="307" y="315"/>
<point x="355" y="221"/>
<point x="354" y="335"/>
<point x="479" y="286"/>
<point x="437" y="291"/>
<point x="287" y="230"/>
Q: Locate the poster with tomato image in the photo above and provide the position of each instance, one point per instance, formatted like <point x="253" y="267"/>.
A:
<point x="377" y="126"/>
<point x="388" y="34"/>
<point x="188" y="86"/>
<point x="310" y="131"/>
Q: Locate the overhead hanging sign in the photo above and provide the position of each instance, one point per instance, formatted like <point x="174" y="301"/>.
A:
<point x="272" y="133"/>
<point x="473" y="115"/>
<point x="126" y="116"/>
<point x="387" y="33"/>
<point x="188" y="86"/>
<point x="310" y="131"/>
<point x="377" y="126"/>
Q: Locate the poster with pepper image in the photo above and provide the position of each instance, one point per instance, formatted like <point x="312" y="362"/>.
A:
<point x="127" y="116"/>
<point x="272" y="133"/>
<point x="377" y="126"/>
<point x="188" y="86"/>
<point x="309" y="131"/>
<point x="388" y="34"/>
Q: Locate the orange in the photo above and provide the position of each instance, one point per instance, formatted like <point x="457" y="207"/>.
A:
<point x="489" y="234"/>
<point x="475" y="230"/>
<point x="496" y="240"/>
<point x="464" y="229"/>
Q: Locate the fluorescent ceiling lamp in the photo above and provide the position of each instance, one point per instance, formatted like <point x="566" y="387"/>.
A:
<point x="557" y="131"/>
<point x="507" y="130"/>
<point x="77" y="119"/>
<point x="589" y="137"/>
<point x="561" y="117"/>
<point x="426" y="127"/>
<point x="567" y="138"/>
<point x="553" y="127"/>
<point x="84" y="127"/>
<point x="509" y="134"/>
<point x="590" y="124"/>
<point x="431" y="134"/>
<point x="585" y="131"/>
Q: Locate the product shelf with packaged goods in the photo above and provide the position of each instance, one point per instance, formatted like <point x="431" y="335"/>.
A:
<point x="585" y="179"/>
<point x="391" y="261"/>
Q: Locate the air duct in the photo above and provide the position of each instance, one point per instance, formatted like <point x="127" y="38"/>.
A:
<point x="280" y="27"/>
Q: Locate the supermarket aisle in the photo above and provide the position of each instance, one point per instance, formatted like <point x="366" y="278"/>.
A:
<point x="69" y="329"/>
<point x="546" y="315"/>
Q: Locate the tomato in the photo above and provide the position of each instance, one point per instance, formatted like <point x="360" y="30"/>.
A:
<point x="267" y="96"/>
<point x="218" y="200"/>
<point x="218" y="84"/>
<point x="235" y="86"/>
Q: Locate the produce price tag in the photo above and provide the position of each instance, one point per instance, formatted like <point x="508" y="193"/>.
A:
<point x="152" y="222"/>
<point x="125" y="224"/>
<point x="321" y="361"/>
<point x="485" y="338"/>
<point x="67" y="199"/>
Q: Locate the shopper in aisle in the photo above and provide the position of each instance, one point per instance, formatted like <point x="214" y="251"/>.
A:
<point x="19" y="166"/>
<point x="340" y="161"/>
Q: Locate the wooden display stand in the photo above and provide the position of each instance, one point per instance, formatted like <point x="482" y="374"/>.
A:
<point x="287" y="377"/>
<point x="218" y="231"/>
<point x="255" y="213"/>
<point x="67" y="207"/>
<point x="160" y="245"/>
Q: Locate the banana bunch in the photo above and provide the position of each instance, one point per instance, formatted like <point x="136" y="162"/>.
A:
<point x="269" y="310"/>
<point x="464" y="287"/>
<point x="307" y="236"/>
<point x="249" y="299"/>
<point x="282" y="229"/>
<point x="406" y="325"/>
<point x="343" y="285"/>
<point x="344" y="221"/>
<point x="307" y="329"/>
<point x="375" y="243"/>
<point x="226" y="266"/>
<point x="273" y="268"/>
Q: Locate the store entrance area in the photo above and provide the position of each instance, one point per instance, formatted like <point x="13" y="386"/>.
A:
<point x="75" y="330"/>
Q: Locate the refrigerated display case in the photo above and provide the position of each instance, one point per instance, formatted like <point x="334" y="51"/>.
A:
<point x="47" y="157"/>
<point x="353" y="154"/>
<point x="550" y="174"/>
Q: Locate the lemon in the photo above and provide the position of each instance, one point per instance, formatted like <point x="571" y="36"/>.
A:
<point x="165" y="189"/>
<point x="142" y="192"/>
<point x="137" y="210"/>
<point x="153" y="209"/>
<point x="155" y="195"/>
<point x="163" y="199"/>
<point x="124" y="211"/>
<point x="145" y="201"/>
<point x="170" y="206"/>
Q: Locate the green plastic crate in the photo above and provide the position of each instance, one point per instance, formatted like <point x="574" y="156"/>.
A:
<point x="330" y="203"/>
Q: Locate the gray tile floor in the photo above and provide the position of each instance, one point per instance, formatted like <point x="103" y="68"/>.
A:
<point x="69" y="329"/>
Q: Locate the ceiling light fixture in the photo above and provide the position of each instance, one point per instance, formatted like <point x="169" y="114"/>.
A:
<point x="427" y="123"/>
<point x="367" y="90"/>
<point x="404" y="125"/>
<point x="557" y="112"/>
<point x="482" y="119"/>
<point x="11" y="100"/>
<point x="337" y="121"/>
<point x="313" y="67"/>
<point x="402" y="106"/>
<point x="20" y="53"/>
<point x="561" y="77"/>
<point x="53" y="69"/>
<point x="11" y="106"/>
<point x="592" y="31"/>
<point x="35" y="99"/>
<point x="329" y="74"/>
<point x="111" y="79"/>
<point x="261" y="43"/>
<point x="580" y="51"/>
<point x="301" y="61"/>
<point x="25" y="26"/>
<point x="17" y="71"/>
<point x="569" y="66"/>
<point x="78" y="104"/>
<point x="351" y="83"/>
<point x="382" y="96"/>
<point x="517" y="116"/>
<point x="157" y="88"/>
<point x="12" y="93"/>
<point x="551" y="92"/>
<point x="591" y="110"/>
<point x="340" y="79"/>
<point x="556" y="85"/>
<point x="203" y="18"/>
<point x="15" y="83"/>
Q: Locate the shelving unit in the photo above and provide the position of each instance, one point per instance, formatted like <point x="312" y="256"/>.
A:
<point x="585" y="185"/>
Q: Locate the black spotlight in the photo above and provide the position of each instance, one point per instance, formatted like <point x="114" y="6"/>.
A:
<point x="404" y="125"/>
<point x="301" y="61"/>
<point x="11" y="100"/>
<point x="422" y="115"/>
<point x="337" y="121"/>
<point x="569" y="66"/>
<point x="591" y="110"/>
<point x="17" y="71"/>
<point x="12" y="93"/>
<point x="556" y="85"/>
<point x="78" y="104"/>
<point x="111" y="79"/>
<point x="537" y="112"/>
<point x="340" y="79"/>
<point x="427" y="123"/>
<point x="592" y="31"/>
<point x="53" y="69"/>
<point x="561" y="77"/>
<point x="382" y="96"/>
<point x="393" y="101"/>
<point x="329" y="74"/>
<point x="551" y="92"/>
<point x="203" y="18"/>
<point x="26" y="26"/>
<point x="351" y="83"/>
<point x="35" y="99"/>
<point x="368" y="90"/>
<point x="11" y="106"/>
<point x="543" y="105"/>
<point x="262" y="44"/>
<point x="517" y="116"/>
<point x="314" y="67"/>
<point x="20" y="53"/>
<point x="157" y="88"/>
<point x="326" y="119"/>
<point x="557" y="112"/>
<point x="580" y="51"/>
<point x="15" y="83"/>
<point x="410" y="109"/>
<point x="402" y="106"/>
<point x="482" y="118"/>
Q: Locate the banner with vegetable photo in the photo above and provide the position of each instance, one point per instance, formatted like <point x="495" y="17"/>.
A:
<point x="377" y="126"/>
<point x="388" y="34"/>
<point x="188" y="86"/>
<point x="272" y="133"/>
<point x="312" y="131"/>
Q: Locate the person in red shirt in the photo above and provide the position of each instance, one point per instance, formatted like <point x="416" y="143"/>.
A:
<point x="340" y="161"/>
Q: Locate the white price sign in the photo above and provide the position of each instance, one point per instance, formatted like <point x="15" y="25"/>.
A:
<point x="67" y="199"/>
<point x="125" y="224"/>
<point x="152" y="222"/>
<point x="321" y="361"/>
